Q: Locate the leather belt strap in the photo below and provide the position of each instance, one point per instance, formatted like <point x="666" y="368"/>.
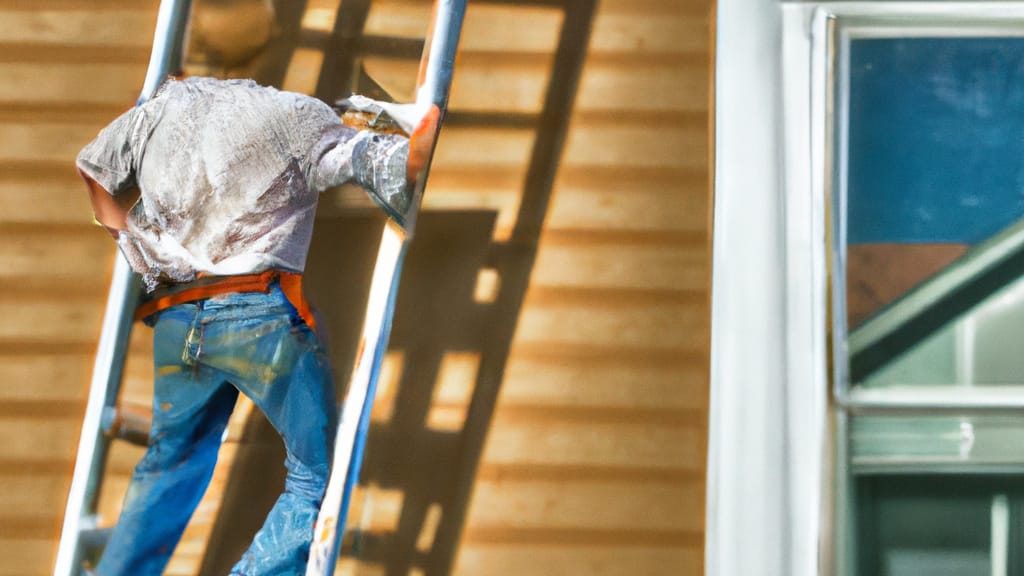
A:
<point x="209" y="286"/>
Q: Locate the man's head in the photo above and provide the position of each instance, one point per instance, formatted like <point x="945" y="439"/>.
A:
<point x="230" y="33"/>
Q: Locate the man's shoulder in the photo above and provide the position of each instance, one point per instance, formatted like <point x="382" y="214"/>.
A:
<point x="241" y="92"/>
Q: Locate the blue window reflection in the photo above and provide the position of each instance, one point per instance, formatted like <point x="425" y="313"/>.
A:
<point x="936" y="139"/>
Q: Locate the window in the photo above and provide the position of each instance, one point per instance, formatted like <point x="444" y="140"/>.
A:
<point x="926" y="194"/>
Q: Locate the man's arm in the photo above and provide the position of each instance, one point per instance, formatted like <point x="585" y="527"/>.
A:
<point x="111" y="211"/>
<point x="421" y="142"/>
<point x="414" y="120"/>
<point x="386" y="164"/>
<point x="107" y="166"/>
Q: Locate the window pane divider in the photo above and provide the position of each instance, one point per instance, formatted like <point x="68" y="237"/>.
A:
<point x="935" y="399"/>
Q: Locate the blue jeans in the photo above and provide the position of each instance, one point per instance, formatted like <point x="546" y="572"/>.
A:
<point x="204" y="354"/>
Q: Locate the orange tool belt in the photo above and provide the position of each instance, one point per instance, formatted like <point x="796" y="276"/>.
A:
<point x="208" y="286"/>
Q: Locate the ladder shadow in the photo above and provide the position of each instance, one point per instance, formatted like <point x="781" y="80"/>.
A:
<point x="427" y="438"/>
<point x="414" y="456"/>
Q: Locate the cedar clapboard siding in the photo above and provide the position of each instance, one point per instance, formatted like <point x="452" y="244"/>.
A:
<point x="68" y="68"/>
<point x="594" y="463"/>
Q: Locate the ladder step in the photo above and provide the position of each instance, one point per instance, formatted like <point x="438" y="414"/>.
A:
<point x="129" y="423"/>
<point x="95" y="538"/>
<point x="92" y="541"/>
<point x="384" y="46"/>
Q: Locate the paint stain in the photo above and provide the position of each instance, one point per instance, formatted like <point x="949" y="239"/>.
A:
<point x="168" y="370"/>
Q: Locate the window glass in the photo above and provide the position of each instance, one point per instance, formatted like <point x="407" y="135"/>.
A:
<point x="929" y="231"/>
<point x="934" y="171"/>
<point x="940" y="525"/>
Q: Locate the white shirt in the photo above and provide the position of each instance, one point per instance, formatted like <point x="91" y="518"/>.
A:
<point x="230" y="173"/>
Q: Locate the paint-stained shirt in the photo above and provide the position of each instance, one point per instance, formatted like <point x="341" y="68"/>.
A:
<point x="230" y="173"/>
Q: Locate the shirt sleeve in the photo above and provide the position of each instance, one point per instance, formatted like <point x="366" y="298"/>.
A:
<point x="110" y="159"/>
<point x="332" y="157"/>
<point x="376" y="162"/>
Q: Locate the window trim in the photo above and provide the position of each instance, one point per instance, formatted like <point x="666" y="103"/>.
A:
<point x="833" y="28"/>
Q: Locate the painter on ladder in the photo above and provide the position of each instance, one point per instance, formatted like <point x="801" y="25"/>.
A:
<point x="210" y="189"/>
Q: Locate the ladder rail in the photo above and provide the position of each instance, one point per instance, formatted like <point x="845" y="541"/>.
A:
<point x="166" y="57"/>
<point x="122" y="298"/>
<point x="435" y="80"/>
<point x="353" y="426"/>
<point x="93" y="447"/>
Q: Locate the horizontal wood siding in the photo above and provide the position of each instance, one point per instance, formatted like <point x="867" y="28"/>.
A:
<point x="69" y="67"/>
<point x="594" y="463"/>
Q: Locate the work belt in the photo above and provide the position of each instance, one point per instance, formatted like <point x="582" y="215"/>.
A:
<point x="205" y="287"/>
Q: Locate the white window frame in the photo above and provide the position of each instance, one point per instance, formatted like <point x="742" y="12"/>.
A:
<point x="815" y="40"/>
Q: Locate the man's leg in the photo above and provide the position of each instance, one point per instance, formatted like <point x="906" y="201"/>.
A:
<point x="305" y="416"/>
<point x="191" y="409"/>
<point x="260" y="345"/>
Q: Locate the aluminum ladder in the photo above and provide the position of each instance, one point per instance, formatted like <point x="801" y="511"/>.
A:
<point x="104" y="421"/>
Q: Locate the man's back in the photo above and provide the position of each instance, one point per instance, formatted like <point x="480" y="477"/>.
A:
<point x="229" y="173"/>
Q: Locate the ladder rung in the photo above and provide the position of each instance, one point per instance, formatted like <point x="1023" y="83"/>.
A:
<point x="129" y="423"/>
<point x="94" y="538"/>
<point x="496" y="119"/>
<point x="92" y="542"/>
<point x="390" y="46"/>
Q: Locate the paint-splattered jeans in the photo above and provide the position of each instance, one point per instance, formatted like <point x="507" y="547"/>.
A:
<point x="204" y="354"/>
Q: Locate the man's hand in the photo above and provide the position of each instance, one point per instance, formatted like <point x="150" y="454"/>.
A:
<point x="111" y="211"/>
<point x="421" y="141"/>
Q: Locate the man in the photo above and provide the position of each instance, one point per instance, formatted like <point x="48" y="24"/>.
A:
<point x="210" y="189"/>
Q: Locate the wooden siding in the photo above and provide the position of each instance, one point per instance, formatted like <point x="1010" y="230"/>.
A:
<point x="68" y="68"/>
<point x="594" y="463"/>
